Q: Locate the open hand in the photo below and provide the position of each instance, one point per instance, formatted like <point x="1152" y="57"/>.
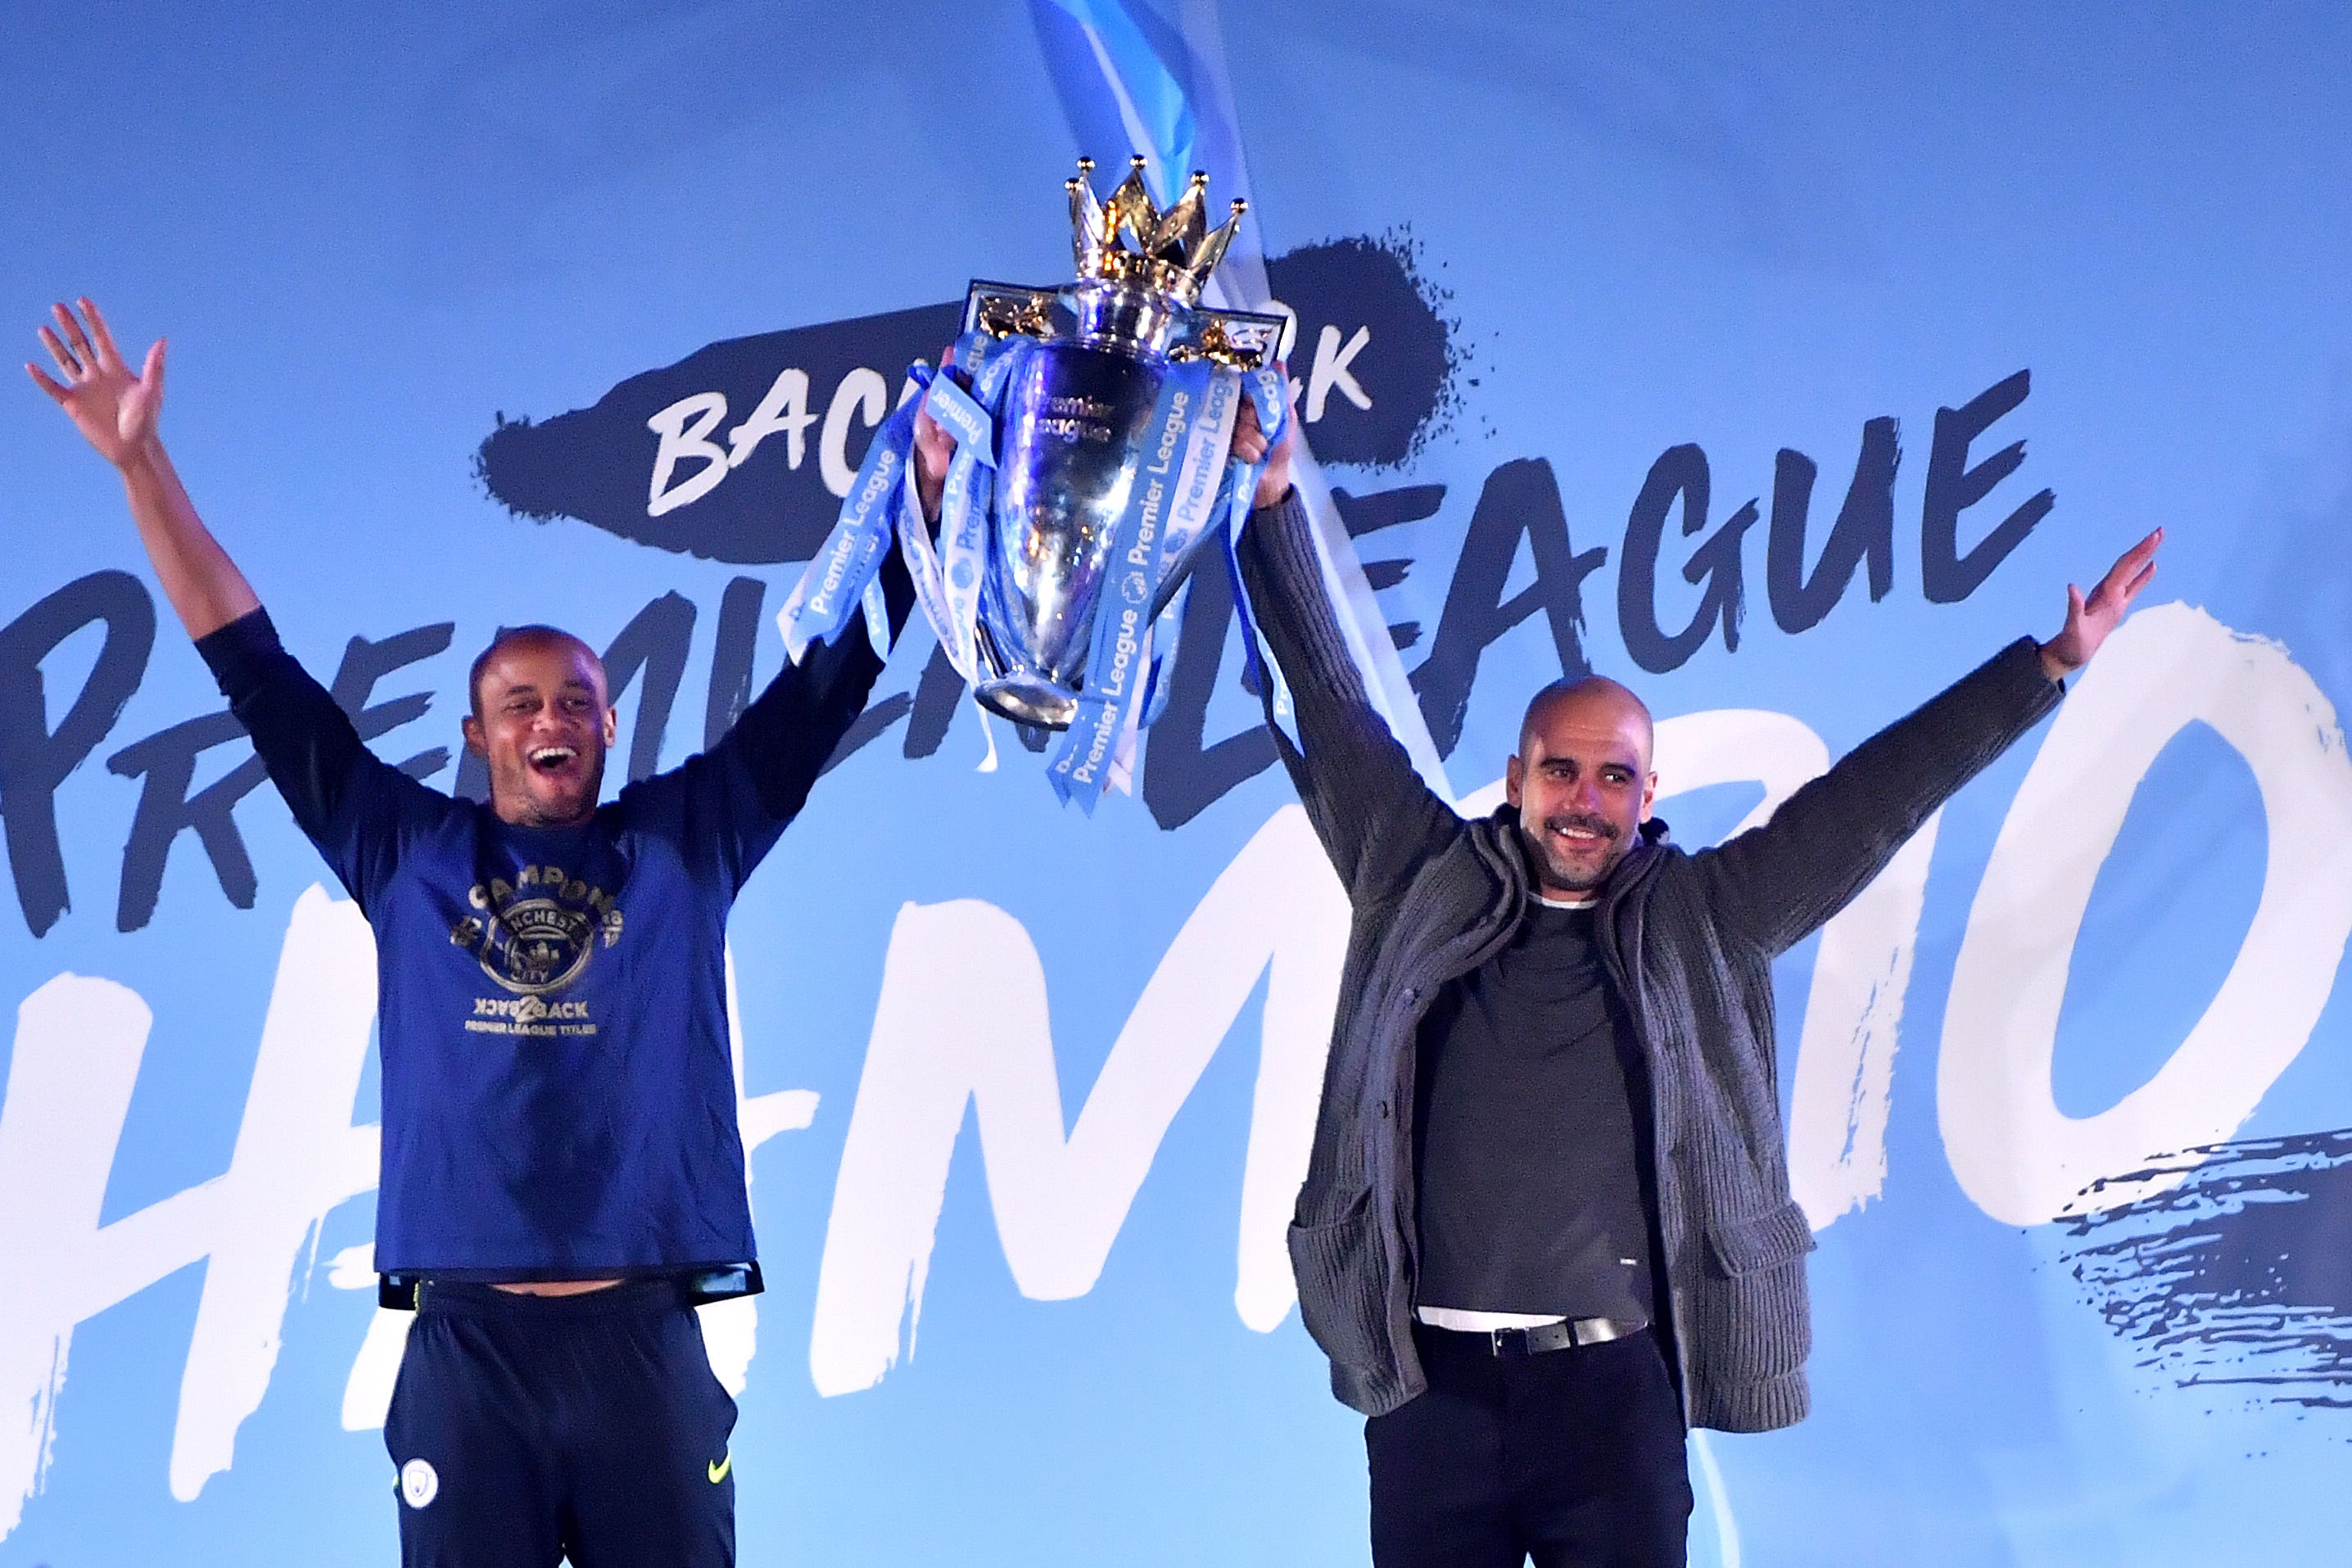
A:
<point x="114" y="410"/>
<point x="2089" y="620"/>
<point x="1249" y="445"/>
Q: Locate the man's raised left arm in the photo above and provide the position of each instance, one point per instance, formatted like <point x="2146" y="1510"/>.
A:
<point x="1778" y="882"/>
<point x="746" y="788"/>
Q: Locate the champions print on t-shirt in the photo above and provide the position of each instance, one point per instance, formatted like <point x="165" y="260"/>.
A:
<point x="535" y="936"/>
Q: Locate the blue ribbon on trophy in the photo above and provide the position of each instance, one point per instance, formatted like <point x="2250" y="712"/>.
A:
<point x="1267" y="390"/>
<point x="1092" y="423"/>
<point x="950" y="575"/>
<point x="1168" y="504"/>
<point x="843" y="571"/>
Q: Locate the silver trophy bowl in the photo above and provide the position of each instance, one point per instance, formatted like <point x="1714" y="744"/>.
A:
<point x="1070" y="427"/>
<point x="1068" y="430"/>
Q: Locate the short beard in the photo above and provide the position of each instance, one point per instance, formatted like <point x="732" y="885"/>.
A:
<point x="1553" y="875"/>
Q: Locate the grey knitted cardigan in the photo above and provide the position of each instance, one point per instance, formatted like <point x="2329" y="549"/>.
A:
<point x="1688" y="939"/>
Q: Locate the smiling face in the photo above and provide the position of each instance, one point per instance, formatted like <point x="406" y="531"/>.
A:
<point x="1581" y="782"/>
<point x="543" y="723"/>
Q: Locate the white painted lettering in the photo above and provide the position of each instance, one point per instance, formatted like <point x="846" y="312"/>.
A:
<point x="962" y="1021"/>
<point x="784" y="411"/>
<point x="685" y="428"/>
<point x="1330" y="372"/>
<point x="863" y="395"/>
<point x="2015" y="1153"/>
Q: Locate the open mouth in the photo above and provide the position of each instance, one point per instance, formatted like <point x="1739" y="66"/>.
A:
<point x="552" y="760"/>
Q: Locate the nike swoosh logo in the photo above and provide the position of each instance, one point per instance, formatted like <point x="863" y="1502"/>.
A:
<point x="718" y="1470"/>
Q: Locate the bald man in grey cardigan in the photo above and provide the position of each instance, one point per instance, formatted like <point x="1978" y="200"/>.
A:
<point x="1547" y="1226"/>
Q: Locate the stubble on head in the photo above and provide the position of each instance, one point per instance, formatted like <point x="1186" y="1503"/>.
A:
<point x="1581" y="782"/>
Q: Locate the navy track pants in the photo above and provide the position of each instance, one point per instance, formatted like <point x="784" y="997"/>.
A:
<point x="526" y="1429"/>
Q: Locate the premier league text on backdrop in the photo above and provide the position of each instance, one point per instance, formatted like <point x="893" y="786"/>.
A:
<point x="1519" y="499"/>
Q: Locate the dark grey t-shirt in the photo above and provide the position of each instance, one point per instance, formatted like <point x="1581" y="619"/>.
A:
<point x="1529" y="1087"/>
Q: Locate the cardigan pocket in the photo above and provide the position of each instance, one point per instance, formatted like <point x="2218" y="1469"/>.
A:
<point x="1341" y="1298"/>
<point x="1760" y="1241"/>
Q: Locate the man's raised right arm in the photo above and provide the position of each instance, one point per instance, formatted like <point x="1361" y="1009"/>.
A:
<point x="117" y="414"/>
<point x="307" y="742"/>
<point x="1376" y="819"/>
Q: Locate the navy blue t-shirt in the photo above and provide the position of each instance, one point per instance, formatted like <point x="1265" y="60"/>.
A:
<point x="559" y="1094"/>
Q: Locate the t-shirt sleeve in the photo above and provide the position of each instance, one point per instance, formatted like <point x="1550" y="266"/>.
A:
<point x="357" y="809"/>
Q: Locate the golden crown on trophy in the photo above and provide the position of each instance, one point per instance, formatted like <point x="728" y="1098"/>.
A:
<point x="1130" y="240"/>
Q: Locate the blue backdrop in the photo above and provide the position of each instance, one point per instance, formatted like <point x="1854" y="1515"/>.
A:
<point x="1782" y="367"/>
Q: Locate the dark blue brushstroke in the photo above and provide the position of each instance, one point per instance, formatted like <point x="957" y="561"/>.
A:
<point x="595" y="465"/>
<point x="2239" y="1278"/>
<point x="1409" y="364"/>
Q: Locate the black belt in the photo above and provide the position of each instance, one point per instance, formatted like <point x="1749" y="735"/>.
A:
<point x="399" y="1291"/>
<point x="1513" y="1345"/>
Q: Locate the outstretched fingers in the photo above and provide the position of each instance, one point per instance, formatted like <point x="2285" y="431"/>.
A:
<point x="57" y="394"/>
<point x="71" y="326"/>
<point x="72" y="367"/>
<point x="2130" y="573"/>
<point x="2135" y="563"/>
<point x="100" y="337"/>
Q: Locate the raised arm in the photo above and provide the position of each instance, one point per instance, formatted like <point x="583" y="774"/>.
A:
<point x="313" y="753"/>
<point x="1377" y="820"/>
<point x="738" y="797"/>
<point x="1777" y="882"/>
<point x="117" y="412"/>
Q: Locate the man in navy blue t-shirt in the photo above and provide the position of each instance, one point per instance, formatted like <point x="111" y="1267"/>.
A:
<point x="563" y="1179"/>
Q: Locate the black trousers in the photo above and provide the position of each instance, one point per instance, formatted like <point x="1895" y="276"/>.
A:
<point x="524" y="1429"/>
<point x="1574" y="1458"/>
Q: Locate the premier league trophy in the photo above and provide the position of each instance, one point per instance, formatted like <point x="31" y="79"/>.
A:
<point x="1093" y="424"/>
<point x="1072" y="429"/>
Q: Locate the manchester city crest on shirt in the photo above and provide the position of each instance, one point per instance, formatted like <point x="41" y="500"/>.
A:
<point x="538" y="945"/>
<point x="536" y="935"/>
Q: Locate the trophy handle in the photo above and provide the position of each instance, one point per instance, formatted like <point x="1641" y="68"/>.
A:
<point x="1238" y="339"/>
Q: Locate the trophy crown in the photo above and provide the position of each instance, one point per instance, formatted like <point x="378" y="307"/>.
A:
<point x="1128" y="239"/>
